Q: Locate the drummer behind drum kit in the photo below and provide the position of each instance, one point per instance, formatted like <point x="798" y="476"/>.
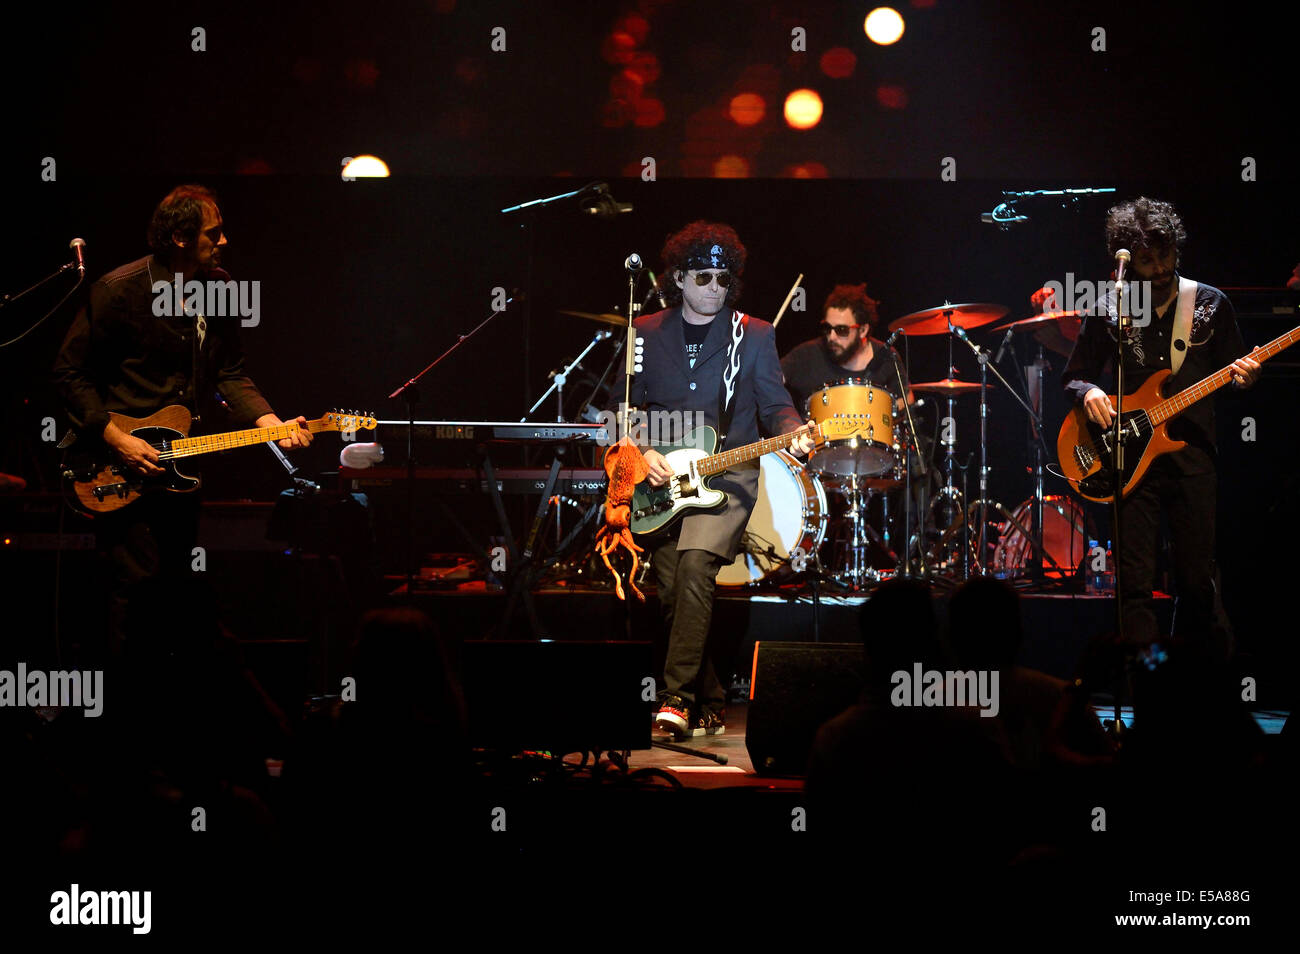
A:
<point x="792" y="517"/>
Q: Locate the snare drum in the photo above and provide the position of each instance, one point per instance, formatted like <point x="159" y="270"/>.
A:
<point x="870" y="451"/>
<point x="790" y="513"/>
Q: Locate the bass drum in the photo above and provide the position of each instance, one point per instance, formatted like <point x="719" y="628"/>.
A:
<point x="790" y="513"/>
<point x="1064" y="537"/>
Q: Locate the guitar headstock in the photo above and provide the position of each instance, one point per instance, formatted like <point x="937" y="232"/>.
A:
<point x="348" y="421"/>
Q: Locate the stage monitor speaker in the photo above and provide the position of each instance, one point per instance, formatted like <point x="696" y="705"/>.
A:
<point x="558" y="696"/>
<point x="793" y="690"/>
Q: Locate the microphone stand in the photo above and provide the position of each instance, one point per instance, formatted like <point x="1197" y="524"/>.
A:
<point x="409" y="393"/>
<point x="1123" y="331"/>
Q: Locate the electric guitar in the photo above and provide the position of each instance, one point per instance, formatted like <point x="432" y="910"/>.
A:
<point x="1085" y="449"/>
<point x="102" y="483"/>
<point x="693" y="462"/>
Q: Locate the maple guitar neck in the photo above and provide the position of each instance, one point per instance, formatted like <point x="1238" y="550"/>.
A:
<point x="210" y="443"/>
<point x="1172" y="407"/>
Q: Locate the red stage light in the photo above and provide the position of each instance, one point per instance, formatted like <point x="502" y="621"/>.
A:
<point x="731" y="167"/>
<point x="806" y="170"/>
<point x="891" y="97"/>
<point x="649" y="112"/>
<point x="747" y="109"/>
<point x="838" y="62"/>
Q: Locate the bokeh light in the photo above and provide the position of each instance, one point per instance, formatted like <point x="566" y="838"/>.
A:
<point x="731" y="167"/>
<point x="884" y="25"/>
<point x="838" y="62"/>
<point x="891" y="97"/>
<point x="806" y="170"/>
<point x="747" y="109"/>
<point x="366" y="167"/>
<point x="803" y="109"/>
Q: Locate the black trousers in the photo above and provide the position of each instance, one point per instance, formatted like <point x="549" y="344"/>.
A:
<point x="1188" y="501"/>
<point x="687" y="580"/>
<point x="151" y="538"/>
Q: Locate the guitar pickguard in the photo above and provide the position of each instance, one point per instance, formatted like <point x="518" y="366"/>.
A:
<point x="1136" y="438"/>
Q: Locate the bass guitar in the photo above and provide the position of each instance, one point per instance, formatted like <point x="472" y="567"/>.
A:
<point x="102" y="483"/>
<point x="1086" y="449"/>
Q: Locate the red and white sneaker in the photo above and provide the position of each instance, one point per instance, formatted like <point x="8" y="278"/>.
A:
<point x="673" y="717"/>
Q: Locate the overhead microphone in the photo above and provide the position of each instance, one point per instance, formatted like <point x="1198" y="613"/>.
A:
<point x="78" y="245"/>
<point x="1006" y="340"/>
<point x="633" y="263"/>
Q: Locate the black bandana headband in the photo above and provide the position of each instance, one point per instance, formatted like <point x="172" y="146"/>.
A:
<point x="714" y="257"/>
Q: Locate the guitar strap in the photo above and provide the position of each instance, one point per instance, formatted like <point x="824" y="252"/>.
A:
<point x="730" y="375"/>
<point x="1183" y="313"/>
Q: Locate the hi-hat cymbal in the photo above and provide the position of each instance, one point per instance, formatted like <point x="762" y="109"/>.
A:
<point x="947" y="386"/>
<point x="934" y="321"/>
<point x="607" y="318"/>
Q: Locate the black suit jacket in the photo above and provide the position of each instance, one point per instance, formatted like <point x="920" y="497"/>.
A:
<point x="762" y="406"/>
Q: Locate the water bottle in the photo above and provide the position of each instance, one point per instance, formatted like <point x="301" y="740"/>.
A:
<point x="1108" y="575"/>
<point x="1091" y="576"/>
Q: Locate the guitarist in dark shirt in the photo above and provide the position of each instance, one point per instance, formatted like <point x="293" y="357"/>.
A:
<point x="1182" y="484"/>
<point x="121" y="355"/>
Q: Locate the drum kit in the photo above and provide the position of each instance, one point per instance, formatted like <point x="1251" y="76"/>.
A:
<point x="866" y="508"/>
<point x="826" y="506"/>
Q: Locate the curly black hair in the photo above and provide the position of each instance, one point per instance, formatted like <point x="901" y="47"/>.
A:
<point x="181" y="210"/>
<point x="692" y="247"/>
<point x="856" y="299"/>
<point x="1144" y="223"/>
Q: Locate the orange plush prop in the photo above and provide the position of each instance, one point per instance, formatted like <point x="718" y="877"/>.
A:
<point x="626" y="468"/>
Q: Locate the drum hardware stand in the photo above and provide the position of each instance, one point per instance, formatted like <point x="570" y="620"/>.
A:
<point x="1035" y="408"/>
<point x="905" y="566"/>
<point x="987" y="365"/>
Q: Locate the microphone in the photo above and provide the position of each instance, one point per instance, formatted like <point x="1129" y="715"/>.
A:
<point x="633" y="263"/>
<point x="654" y="283"/>
<point x="1006" y="340"/>
<point x="1122" y="258"/>
<point x="603" y="205"/>
<point x="78" y="245"/>
<point x="1003" y="216"/>
<point x="889" y="342"/>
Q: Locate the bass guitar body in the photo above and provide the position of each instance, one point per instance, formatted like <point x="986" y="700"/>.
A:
<point x="1085" y="449"/>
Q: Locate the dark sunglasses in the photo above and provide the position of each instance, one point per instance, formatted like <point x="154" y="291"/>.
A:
<point x="842" y="331"/>
<point x="704" y="278"/>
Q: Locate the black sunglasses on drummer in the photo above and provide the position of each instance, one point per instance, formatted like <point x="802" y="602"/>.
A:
<point x="840" y="330"/>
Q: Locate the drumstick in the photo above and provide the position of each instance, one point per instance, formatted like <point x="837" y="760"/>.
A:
<point x="777" y="320"/>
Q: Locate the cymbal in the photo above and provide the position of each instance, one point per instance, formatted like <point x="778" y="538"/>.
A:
<point x="1037" y="321"/>
<point x="934" y="321"/>
<point x="607" y="318"/>
<point x="948" y="385"/>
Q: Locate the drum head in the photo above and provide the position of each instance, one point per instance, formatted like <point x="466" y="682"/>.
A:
<point x="778" y="523"/>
